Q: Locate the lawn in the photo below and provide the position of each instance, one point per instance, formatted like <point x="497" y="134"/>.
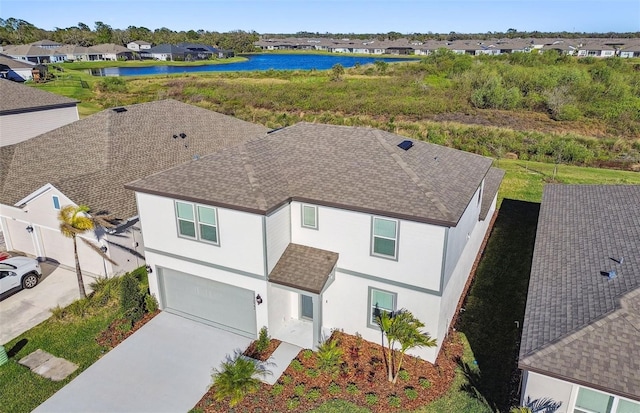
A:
<point x="71" y="334"/>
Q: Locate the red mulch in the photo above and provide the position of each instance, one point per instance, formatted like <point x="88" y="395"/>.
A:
<point x="264" y="356"/>
<point x="363" y="370"/>
<point x="114" y="334"/>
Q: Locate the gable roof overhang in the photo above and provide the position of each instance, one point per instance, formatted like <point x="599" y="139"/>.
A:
<point x="304" y="268"/>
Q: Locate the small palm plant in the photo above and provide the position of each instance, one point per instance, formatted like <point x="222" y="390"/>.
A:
<point x="74" y="221"/>
<point x="237" y="377"/>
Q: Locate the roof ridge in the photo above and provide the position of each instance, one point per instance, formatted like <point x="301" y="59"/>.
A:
<point x="253" y="179"/>
<point x="427" y="190"/>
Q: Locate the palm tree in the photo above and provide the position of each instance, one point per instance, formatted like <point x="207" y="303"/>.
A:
<point x="402" y="328"/>
<point x="74" y="221"/>
<point x="237" y="377"/>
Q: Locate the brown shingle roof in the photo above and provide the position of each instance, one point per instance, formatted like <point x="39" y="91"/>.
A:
<point x="353" y="168"/>
<point x="491" y="185"/>
<point x="304" y="268"/>
<point x="90" y="160"/>
<point x="18" y="98"/>
<point x="579" y="325"/>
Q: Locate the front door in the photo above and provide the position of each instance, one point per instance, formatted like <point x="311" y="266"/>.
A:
<point x="306" y="307"/>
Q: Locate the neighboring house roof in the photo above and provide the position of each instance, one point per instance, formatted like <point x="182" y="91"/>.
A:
<point x="354" y="168"/>
<point x="29" y="50"/>
<point x="12" y="63"/>
<point x="19" y="98"/>
<point x="45" y="43"/>
<point x="111" y="48"/>
<point x="90" y="160"/>
<point x="72" y="49"/>
<point x="304" y="268"/>
<point x="166" y="49"/>
<point x="580" y="325"/>
<point x="140" y="42"/>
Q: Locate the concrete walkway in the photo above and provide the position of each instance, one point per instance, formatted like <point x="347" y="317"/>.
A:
<point x="279" y="361"/>
<point x="164" y="367"/>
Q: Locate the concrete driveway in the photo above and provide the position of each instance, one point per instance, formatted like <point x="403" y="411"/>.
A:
<point x="163" y="367"/>
<point x="28" y="308"/>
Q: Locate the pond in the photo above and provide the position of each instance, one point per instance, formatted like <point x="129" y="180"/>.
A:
<point x="258" y="62"/>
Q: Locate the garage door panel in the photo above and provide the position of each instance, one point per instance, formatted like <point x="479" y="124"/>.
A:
<point x="212" y="302"/>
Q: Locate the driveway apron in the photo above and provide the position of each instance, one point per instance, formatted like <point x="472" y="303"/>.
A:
<point x="164" y="367"/>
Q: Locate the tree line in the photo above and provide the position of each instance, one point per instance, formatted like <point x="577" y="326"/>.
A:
<point x="17" y="31"/>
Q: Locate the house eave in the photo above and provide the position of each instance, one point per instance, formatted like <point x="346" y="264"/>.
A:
<point x="38" y="108"/>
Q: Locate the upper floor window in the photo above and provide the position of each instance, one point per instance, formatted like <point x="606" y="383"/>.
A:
<point x="197" y="222"/>
<point x="384" y="236"/>
<point x="310" y="216"/>
<point x="56" y="202"/>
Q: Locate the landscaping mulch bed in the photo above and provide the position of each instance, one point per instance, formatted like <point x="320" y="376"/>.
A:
<point x="264" y="356"/>
<point x="361" y="379"/>
<point x="117" y="331"/>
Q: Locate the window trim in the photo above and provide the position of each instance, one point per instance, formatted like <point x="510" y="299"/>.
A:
<point x="371" y="323"/>
<point x="56" y="202"/>
<point x="196" y="222"/>
<point x="315" y="212"/>
<point x="394" y="257"/>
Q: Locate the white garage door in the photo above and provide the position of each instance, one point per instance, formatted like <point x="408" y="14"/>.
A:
<point x="222" y="305"/>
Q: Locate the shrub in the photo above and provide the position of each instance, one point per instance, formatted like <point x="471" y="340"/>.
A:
<point x="79" y="307"/>
<point x="424" y="382"/>
<point x="150" y="303"/>
<point x="313" y="394"/>
<point x="371" y="398"/>
<point x="263" y="340"/>
<point x="286" y="380"/>
<point x="403" y="375"/>
<point x="293" y="402"/>
<point x="112" y="84"/>
<point x="352" y="388"/>
<point x="393" y="400"/>
<point x="236" y="378"/>
<point x="277" y="389"/>
<point x="131" y="299"/>
<point x="329" y="356"/>
<point x="296" y="365"/>
<point x="411" y="393"/>
<point x="334" y="388"/>
<point x="58" y="312"/>
<point x="299" y="389"/>
<point x="313" y="373"/>
<point x="306" y="354"/>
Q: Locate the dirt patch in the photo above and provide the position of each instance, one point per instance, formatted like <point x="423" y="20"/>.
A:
<point x="118" y="330"/>
<point x="361" y="378"/>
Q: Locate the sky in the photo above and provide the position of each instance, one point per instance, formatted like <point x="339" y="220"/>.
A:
<point x="334" y="16"/>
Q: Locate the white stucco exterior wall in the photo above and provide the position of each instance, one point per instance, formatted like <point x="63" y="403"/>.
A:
<point x="278" y="229"/>
<point x="538" y="386"/>
<point x="22" y="126"/>
<point x="240" y="236"/>
<point x="420" y="246"/>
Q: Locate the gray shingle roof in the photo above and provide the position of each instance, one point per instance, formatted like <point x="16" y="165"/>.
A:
<point x="579" y="325"/>
<point x="17" y="98"/>
<point x="491" y="185"/>
<point x="12" y="63"/>
<point x="303" y="267"/>
<point x="353" y="168"/>
<point x="90" y="160"/>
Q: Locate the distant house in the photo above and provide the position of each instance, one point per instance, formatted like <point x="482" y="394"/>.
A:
<point x="74" y="53"/>
<point x="631" y="51"/>
<point x="138" y="45"/>
<point x="113" y="52"/>
<point x="34" y="54"/>
<point x="47" y="44"/>
<point x="581" y="332"/>
<point x="165" y="52"/>
<point x="26" y="112"/>
<point x="89" y="161"/>
<point x="16" y="70"/>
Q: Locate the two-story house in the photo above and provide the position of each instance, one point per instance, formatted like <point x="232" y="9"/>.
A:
<point x="316" y="227"/>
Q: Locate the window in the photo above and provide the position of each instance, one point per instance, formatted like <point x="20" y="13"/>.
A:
<point x="56" y="202"/>
<point x="590" y="401"/>
<point x="208" y="224"/>
<point x="385" y="237"/>
<point x="380" y="300"/>
<point x="186" y="220"/>
<point x="199" y="223"/>
<point x="310" y="216"/>
<point x="627" y="406"/>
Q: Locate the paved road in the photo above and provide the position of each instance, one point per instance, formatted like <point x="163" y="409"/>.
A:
<point x="164" y="367"/>
<point x="28" y="308"/>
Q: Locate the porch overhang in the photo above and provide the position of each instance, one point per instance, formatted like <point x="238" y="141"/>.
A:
<point x="304" y="268"/>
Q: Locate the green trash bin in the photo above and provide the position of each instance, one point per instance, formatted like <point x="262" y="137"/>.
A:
<point x="3" y="356"/>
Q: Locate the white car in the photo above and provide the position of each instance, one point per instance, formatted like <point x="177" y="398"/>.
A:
<point x="17" y="273"/>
